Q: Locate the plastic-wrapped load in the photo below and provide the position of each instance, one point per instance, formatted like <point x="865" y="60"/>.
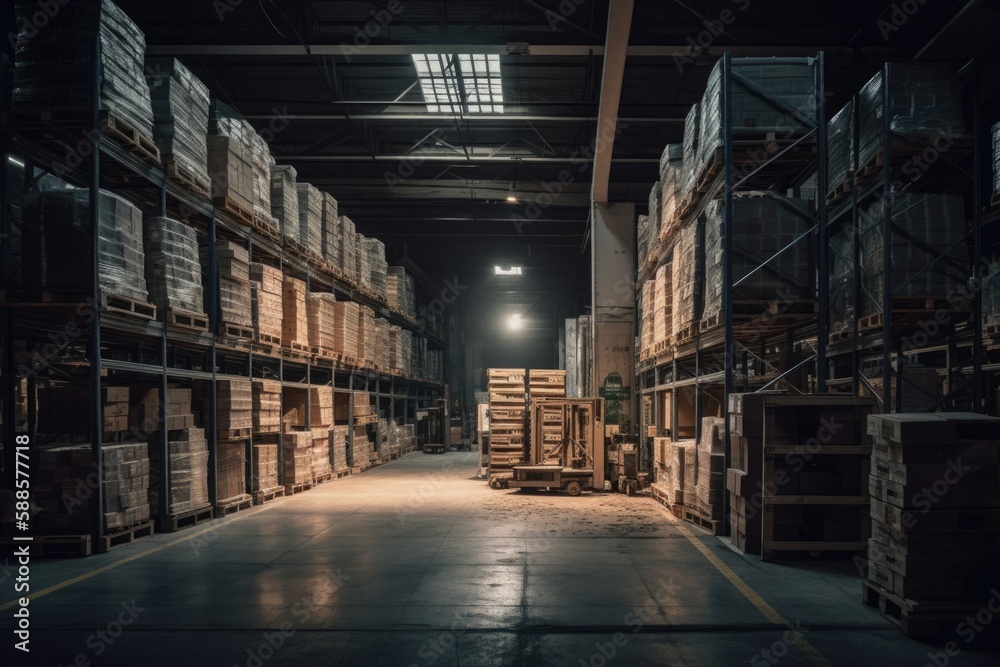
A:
<point x="840" y="147"/>
<point x="366" y="334"/>
<point x="180" y="108"/>
<point x="188" y="450"/>
<point x="349" y="249"/>
<point x="685" y="279"/>
<point x="671" y="168"/>
<point x="377" y="265"/>
<point x="245" y="160"/>
<point x="763" y="224"/>
<point x="435" y="364"/>
<point x="231" y="473"/>
<point x="345" y="339"/>
<point x="663" y="305"/>
<point x="295" y="318"/>
<point x="769" y="96"/>
<point x="842" y="306"/>
<point x="646" y="316"/>
<point x="234" y="282"/>
<point x="173" y="267"/>
<point x="285" y="201"/>
<point x="655" y="209"/>
<point x="642" y="244"/>
<point x="265" y="467"/>
<point x="51" y="260"/>
<point x="401" y="291"/>
<point x="330" y="236"/>
<point x="266" y="414"/>
<point x="263" y="163"/>
<point x="361" y="262"/>
<point x="689" y="150"/>
<point x="925" y="102"/>
<point x="52" y="67"/>
<point x="310" y="217"/>
<point x="926" y="226"/>
<point x="298" y="457"/>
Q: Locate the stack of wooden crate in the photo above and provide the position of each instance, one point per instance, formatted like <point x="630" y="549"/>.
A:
<point x="266" y="406"/>
<point x="266" y="290"/>
<point x="295" y="318"/>
<point x="935" y="489"/>
<point x="507" y="390"/>
<point x="235" y="408"/>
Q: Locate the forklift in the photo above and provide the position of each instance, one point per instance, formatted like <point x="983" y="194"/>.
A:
<point x="430" y="430"/>
<point x="623" y="465"/>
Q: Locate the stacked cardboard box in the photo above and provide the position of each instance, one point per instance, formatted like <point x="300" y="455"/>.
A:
<point x="663" y="304"/>
<point x="321" y="453"/>
<point x="295" y="317"/>
<point x="404" y="351"/>
<point x="744" y="479"/>
<point x="361" y="262"/>
<point x="330" y="233"/>
<point x="384" y="345"/>
<point x="188" y="450"/>
<point x="43" y="81"/>
<point x="366" y="334"/>
<point x="126" y="485"/>
<point x="689" y="149"/>
<point x="401" y="291"/>
<point x="266" y="406"/>
<point x="235" y="407"/>
<point x="224" y="121"/>
<point x="763" y="226"/>
<point x="925" y="103"/>
<point x="363" y="406"/>
<point x="173" y="266"/>
<point x="294" y="403"/>
<point x="377" y="265"/>
<point x="842" y="282"/>
<point x="840" y="143"/>
<point x="180" y="107"/>
<point x="64" y="410"/>
<point x="230" y="166"/>
<point x="234" y="282"/>
<point x="338" y="448"/>
<point x="322" y="315"/>
<point x="671" y="167"/>
<point x="58" y="490"/>
<point x="929" y="259"/>
<point x="642" y="242"/>
<point x="345" y="339"/>
<point x="685" y="281"/>
<point x="362" y="448"/>
<point x="711" y="468"/>
<point x="285" y="201"/>
<point x="935" y="489"/>
<point x="653" y="222"/>
<point x="321" y="407"/>
<point x="310" y="217"/>
<point x="268" y="310"/>
<point x="298" y="457"/>
<point x="265" y="470"/>
<point x="231" y="475"/>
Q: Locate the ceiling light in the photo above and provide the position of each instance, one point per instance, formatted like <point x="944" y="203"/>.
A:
<point x="14" y="160"/>
<point x="515" y="323"/>
<point x="512" y="271"/>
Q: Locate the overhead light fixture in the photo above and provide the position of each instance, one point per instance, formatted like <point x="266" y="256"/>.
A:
<point x="515" y="323"/>
<point x="512" y="271"/>
<point x="511" y="195"/>
<point x="14" y="160"/>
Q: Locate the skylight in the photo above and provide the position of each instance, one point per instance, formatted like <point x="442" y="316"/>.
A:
<point x="463" y="83"/>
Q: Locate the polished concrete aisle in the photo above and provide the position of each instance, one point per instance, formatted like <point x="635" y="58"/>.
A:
<point x="418" y="563"/>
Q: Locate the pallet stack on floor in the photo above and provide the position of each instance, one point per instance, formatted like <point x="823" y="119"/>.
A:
<point x="339" y="450"/>
<point x="265" y="473"/>
<point x="508" y="437"/>
<point x="297" y="450"/>
<point x="935" y="512"/>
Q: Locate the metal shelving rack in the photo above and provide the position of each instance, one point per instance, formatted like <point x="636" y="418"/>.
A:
<point x="150" y="348"/>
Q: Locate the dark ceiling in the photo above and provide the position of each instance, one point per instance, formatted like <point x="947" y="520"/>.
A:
<point x="434" y="187"/>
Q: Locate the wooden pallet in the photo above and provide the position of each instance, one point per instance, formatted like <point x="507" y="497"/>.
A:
<point x="114" y="126"/>
<point x="341" y="474"/>
<point x="293" y="346"/>
<point x="234" y="209"/>
<point x="120" y="538"/>
<point x="265" y="339"/>
<point x="236" y="331"/>
<point x="686" y="334"/>
<point x="323" y="479"/>
<point x="917" y="619"/>
<point x="186" y="319"/>
<point x="266" y="228"/>
<point x="233" y="505"/>
<point x="841" y="191"/>
<point x="694" y="516"/>
<point x="175" y="522"/>
<point x="267" y="495"/>
<point x="186" y="178"/>
<point x="367" y="419"/>
<point x="292" y="489"/>
<point x="228" y="434"/>
<point x="841" y="336"/>
<point x="124" y="305"/>
<point x="51" y="546"/>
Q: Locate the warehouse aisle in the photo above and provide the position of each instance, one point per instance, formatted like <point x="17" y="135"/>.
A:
<point x="418" y="563"/>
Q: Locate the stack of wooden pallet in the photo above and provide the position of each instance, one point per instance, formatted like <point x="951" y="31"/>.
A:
<point x="298" y="458"/>
<point x="268" y="311"/>
<point x="321" y="311"/>
<point x="508" y="439"/>
<point x="935" y="517"/>
<point x="266" y="406"/>
<point x="295" y="318"/>
<point x="235" y="408"/>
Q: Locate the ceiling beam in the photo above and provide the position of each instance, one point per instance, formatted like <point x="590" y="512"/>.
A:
<point x="457" y="159"/>
<point x="662" y="51"/>
<point x="479" y="117"/>
<point x="619" y="29"/>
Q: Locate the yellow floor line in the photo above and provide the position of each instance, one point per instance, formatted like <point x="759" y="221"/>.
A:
<point x="756" y="600"/>
<point x="101" y="570"/>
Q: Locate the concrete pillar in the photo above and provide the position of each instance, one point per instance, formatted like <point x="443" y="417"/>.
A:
<point x="572" y="359"/>
<point x="613" y="270"/>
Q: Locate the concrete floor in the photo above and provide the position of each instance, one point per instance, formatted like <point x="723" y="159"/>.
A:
<point x="418" y="563"/>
